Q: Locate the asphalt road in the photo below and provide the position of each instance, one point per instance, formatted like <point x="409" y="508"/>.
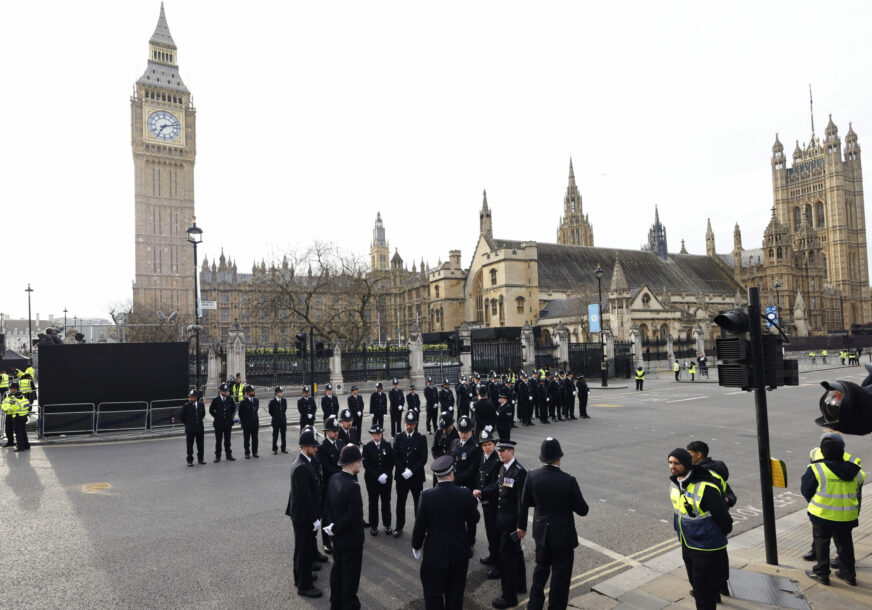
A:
<point x="128" y="525"/>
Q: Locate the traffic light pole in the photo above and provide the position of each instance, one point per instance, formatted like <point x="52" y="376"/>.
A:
<point x="312" y="359"/>
<point x="768" y="502"/>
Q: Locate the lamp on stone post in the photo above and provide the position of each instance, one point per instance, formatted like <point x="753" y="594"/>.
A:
<point x="195" y="237"/>
<point x="777" y="286"/>
<point x="65" y="320"/>
<point x="605" y="363"/>
<point x="28" y="290"/>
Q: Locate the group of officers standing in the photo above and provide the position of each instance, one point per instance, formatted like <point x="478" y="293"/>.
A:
<point x="17" y="393"/>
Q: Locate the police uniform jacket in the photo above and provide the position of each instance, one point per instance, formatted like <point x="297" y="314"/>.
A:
<point x="192" y="416"/>
<point x="555" y="496"/>
<point x="355" y="405"/>
<point x="541" y="394"/>
<point x="505" y="414"/>
<point x="248" y="413"/>
<point x="431" y="395"/>
<point x="583" y="390"/>
<point x="329" y="405"/>
<point x="278" y="410"/>
<point x="446" y="400"/>
<point x="348" y="436"/>
<point x="462" y="396"/>
<point x="442" y="442"/>
<point x="554" y="392"/>
<point x="397" y="400"/>
<point x="493" y="392"/>
<point x="568" y="390"/>
<point x="513" y="398"/>
<point x="445" y="526"/>
<point x="378" y="459"/>
<point x="410" y="451"/>
<point x="523" y="393"/>
<point x="345" y="511"/>
<point x="222" y="411"/>
<point x="485" y="414"/>
<point x="328" y="456"/>
<point x="304" y="501"/>
<point x="306" y="407"/>
<point x="488" y="477"/>
<point x="507" y="494"/>
<point x="467" y="457"/>
<point x="378" y="404"/>
<point x="413" y="401"/>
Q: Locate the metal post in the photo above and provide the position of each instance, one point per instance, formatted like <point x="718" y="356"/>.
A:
<point x="768" y="502"/>
<point x="65" y="320"/>
<point x="312" y="359"/>
<point x="197" y="322"/>
<point x="29" y="322"/>
<point x="604" y="365"/>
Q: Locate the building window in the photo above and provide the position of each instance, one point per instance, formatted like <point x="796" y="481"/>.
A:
<point x="646" y="300"/>
<point x="820" y="214"/>
<point x="797" y="219"/>
<point x="436" y="289"/>
<point x="779" y="252"/>
<point x="519" y="304"/>
<point x="493" y="276"/>
<point x="478" y="298"/>
<point x="225" y="315"/>
<point x="225" y="297"/>
<point x="493" y="307"/>
<point x="502" y="311"/>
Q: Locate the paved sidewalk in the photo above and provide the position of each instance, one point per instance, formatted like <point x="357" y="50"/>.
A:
<point x="662" y="581"/>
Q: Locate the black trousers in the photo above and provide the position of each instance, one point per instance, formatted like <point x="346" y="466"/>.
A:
<point x="403" y="488"/>
<point x="222" y="434"/>
<point x="345" y="579"/>
<point x="570" y="406"/>
<point x="10" y="429"/>
<point x="190" y="437"/>
<point x="639" y="383"/>
<point x="705" y="573"/>
<point x="283" y="430"/>
<point x="304" y="554"/>
<point x="376" y="492"/>
<point x="432" y="418"/>
<point x="396" y="421"/>
<point x="249" y="436"/>
<point x="443" y="587"/>
<point x="582" y="406"/>
<point x="489" y="511"/>
<point x="378" y="420"/>
<point x="841" y="534"/>
<point x="513" y="571"/>
<point x="504" y="432"/>
<point x="22" y="442"/>
<point x="557" y="563"/>
<point x="553" y="407"/>
<point x="543" y="411"/>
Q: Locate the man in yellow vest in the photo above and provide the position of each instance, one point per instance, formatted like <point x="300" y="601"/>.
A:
<point x="237" y="390"/>
<point x="832" y="487"/>
<point x="812" y="355"/>
<point x="4" y="383"/>
<point x="702" y="522"/>
<point x="676" y="368"/>
<point x="824" y="354"/>
<point x="17" y="406"/>
<point x="692" y="371"/>
<point x="640" y="378"/>
<point x="9" y="424"/>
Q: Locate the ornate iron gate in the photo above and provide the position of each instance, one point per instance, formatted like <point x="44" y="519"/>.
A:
<point x="499" y="357"/>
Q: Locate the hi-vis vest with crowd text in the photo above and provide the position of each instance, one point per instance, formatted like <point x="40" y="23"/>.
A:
<point x="835" y="499"/>
<point x="696" y="528"/>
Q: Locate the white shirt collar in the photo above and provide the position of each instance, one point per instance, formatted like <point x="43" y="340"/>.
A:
<point x="509" y="465"/>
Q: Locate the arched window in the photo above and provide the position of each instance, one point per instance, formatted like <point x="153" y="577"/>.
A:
<point x="820" y="215"/>
<point x="493" y="307"/>
<point x="807" y="213"/>
<point x="477" y="298"/>
<point x="779" y="253"/>
<point x="811" y="257"/>
<point x="546" y="337"/>
<point x="824" y="261"/>
<point x="493" y="276"/>
<point x="502" y="311"/>
<point x="486" y="311"/>
<point x="519" y="304"/>
<point x="437" y="291"/>
<point x="664" y="331"/>
<point x="643" y="329"/>
<point x="771" y="253"/>
<point x="646" y="300"/>
<point x="797" y="219"/>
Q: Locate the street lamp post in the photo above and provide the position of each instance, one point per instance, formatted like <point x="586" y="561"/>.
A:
<point x="605" y="363"/>
<point x="29" y="322"/>
<point x="777" y="286"/>
<point x="195" y="237"/>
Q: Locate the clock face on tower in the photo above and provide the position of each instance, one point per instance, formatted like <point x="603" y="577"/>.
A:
<point x="164" y="125"/>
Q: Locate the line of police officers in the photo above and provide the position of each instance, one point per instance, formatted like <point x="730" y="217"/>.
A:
<point x="17" y="393"/>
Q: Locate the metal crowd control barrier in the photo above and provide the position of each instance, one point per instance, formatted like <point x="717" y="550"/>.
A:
<point x="75" y="418"/>
<point x="121" y="416"/>
<point x="166" y="414"/>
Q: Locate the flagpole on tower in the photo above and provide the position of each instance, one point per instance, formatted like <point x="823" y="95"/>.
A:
<point x="811" y="107"/>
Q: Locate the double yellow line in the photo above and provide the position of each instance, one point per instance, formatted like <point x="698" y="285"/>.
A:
<point x="616" y="565"/>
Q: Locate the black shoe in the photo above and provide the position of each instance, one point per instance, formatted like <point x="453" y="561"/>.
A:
<point x="585" y="417"/>
<point x="529" y="423"/>
<point x="373" y="531"/>
<point x="284" y="450"/>
<point x="7" y="445"/>
<point x="255" y="455"/>
<point x="217" y="458"/>
<point x="810" y="556"/>
<point x="230" y="458"/>
<point x="328" y="549"/>
<point x="190" y="464"/>
<point x="502" y="602"/>
<point x="247" y="457"/>
<point x="851" y="580"/>
<point x="835" y="563"/>
<point x="201" y="461"/>
<point x="398" y="533"/>
<point x="824" y="579"/>
<point x="275" y="451"/>
<point x="389" y="531"/>
<point x="321" y="557"/>
<point x="725" y="590"/>
<point x="17" y="449"/>
<point x="493" y="574"/>
<point x="486" y="561"/>
<point x="313" y="592"/>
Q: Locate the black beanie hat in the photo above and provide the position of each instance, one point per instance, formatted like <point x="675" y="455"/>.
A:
<point x="833" y="447"/>
<point x="683" y="456"/>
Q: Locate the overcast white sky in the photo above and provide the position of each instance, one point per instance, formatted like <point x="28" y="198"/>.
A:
<point x="312" y="116"/>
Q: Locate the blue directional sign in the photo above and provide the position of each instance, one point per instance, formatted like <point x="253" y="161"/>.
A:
<point x="593" y="317"/>
<point x="771" y="315"/>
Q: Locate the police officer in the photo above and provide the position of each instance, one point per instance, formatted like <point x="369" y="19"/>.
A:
<point x="223" y="409"/>
<point x="511" y="569"/>
<point x="569" y="393"/>
<point x="378" y="406"/>
<point x="25" y="384"/>
<point x="9" y="424"/>
<point x="463" y="399"/>
<point x="249" y="419"/>
<point x="397" y="400"/>
<point x="446" y="398"/>
<point x="4" y="383"/>
<point x="328" y="457"/>
<point x="347" y="433"/>
<point x="443" y="438"/>
<point x="508" y="386"/>
<point x="542" y="400"/>
<point x="237" y="389"/>
<point x="355" y="405"/>
<point x="583" y="395"/>
<point x="485" y="412"/>
<point x="488" y="476"/>
<point x="192" y="415"/>
<point x="640" y="378"/>
<point x="278" y="410"/>
<point x="304" y="509"/>
<point x="431" y="397"/>
<point x="329" y="403"/>
<point x="17" y="405"/>
<point x="445" y="531"/>
<point x="505" y="414"/>
<point x="555" y="397"/>
<point x="413" y="403"/>
<point x="555" y="496"/>
<point x="524" y="397"/>
<point x="378" y="470"/>
<point x="410" y="457"/>
<point x="466" y="454"/>
<point x="306" y="407"/>
<point x="692" y="371"/>
<point x="345" y="515"/>
<point x="493" y="387"/>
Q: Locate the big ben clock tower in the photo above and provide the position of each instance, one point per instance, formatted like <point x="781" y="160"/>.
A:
<point x="163" y="137"/>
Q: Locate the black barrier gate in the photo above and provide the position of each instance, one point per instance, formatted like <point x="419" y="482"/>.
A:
<point x="684" y="348"/>
<point x="654" y="349"/>
<point x="441" y="362"/>
<point x="586" y="358"/>
<point x="623" y="359"/>
<point x="377" y="363"/>
<point x="270" y="367"/>
<point x="499" y="357"/>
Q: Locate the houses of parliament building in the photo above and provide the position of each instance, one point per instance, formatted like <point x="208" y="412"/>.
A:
<point x="812" y="262"/>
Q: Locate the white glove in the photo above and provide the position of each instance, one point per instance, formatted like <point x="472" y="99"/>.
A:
<point x="383" y="479"/>
<point x="450" y="408"/>
<point x="358" y="413"/>
<point x="311" y="416"/>
<point x="317" y="525"/>
<point x="575" y="393"/>
<point x="329" y="530"/>
<point x="547" y="400"/>
<point x="530" y="397"/>
<point x="416" y="553"/>
<point x="407" y="474"/>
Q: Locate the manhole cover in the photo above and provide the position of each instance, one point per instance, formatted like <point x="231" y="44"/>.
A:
<point x="766" y="589"/>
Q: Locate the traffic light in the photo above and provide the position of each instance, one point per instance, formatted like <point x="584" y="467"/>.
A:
<point x="319" y="349"/>
<point x="735" y="370"/>
<point x="301" y="345"/>
<point x="846" y="407"/>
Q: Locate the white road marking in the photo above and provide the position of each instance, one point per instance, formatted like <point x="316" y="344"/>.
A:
<point x="601" y="549"/>
<point x="685" y="399"/>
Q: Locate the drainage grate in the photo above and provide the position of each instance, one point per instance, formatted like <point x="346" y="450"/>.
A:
<point x="766" y="589"/>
